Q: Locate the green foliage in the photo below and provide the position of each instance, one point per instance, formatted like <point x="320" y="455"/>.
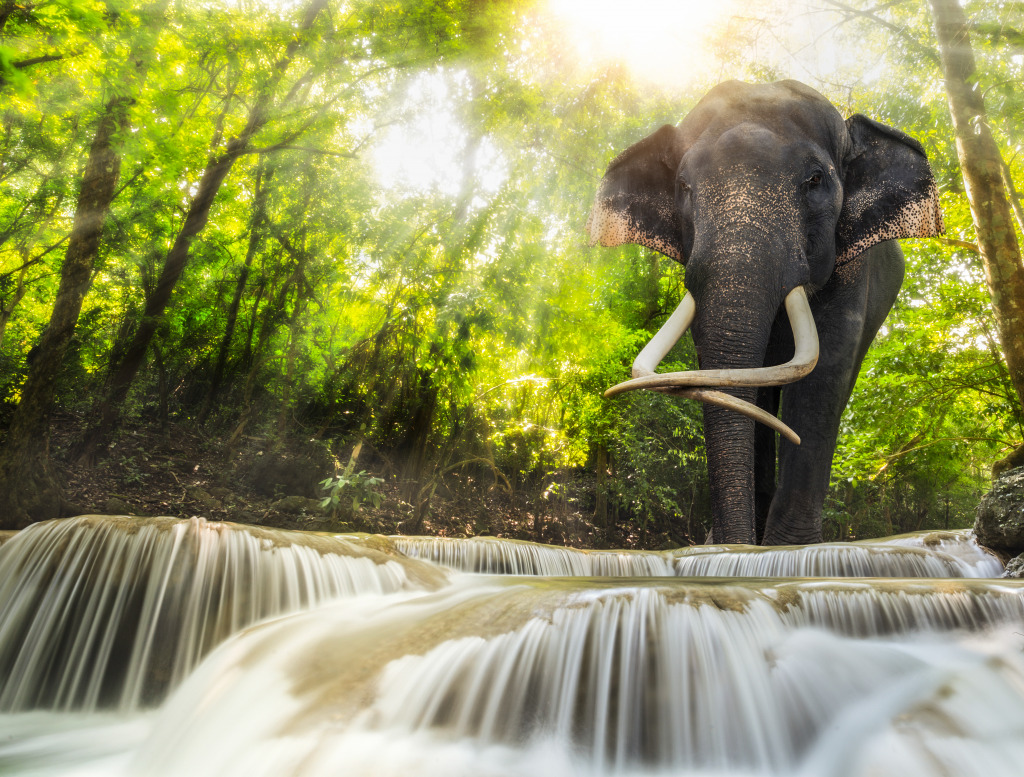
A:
<point x="353" y="488"/>
<point x="399" y="256"/>
<point x="47" y="30"/>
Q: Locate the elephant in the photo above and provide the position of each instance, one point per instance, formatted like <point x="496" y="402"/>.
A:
<point x="778" y="209"/>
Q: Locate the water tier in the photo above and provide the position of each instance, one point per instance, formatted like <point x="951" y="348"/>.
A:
<point x="286" y="653"/>
<point x="100" y="611"/>
<point x="923" y="554"/>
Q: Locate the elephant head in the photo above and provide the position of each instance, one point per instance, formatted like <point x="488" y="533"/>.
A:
<point x="766" y="195"/>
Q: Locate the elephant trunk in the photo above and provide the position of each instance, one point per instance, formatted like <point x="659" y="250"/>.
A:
<point x="730" y="455"/>
<point x="731" y="330"/>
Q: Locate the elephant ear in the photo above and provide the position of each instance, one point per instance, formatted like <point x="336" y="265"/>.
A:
<point x="636" y="199"/>
<point x="889" y="190"/>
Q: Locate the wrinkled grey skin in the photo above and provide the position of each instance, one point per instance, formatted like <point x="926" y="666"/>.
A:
<point x="762" y="188"/>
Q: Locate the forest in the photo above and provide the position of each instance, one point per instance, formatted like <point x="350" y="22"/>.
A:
<point x="349" y="234"/>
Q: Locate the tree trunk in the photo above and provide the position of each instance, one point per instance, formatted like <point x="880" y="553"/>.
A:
<point x="162" y="389"/>
<point x="288" y="379"/>
<point x="272" y="312"/>
<point x="7" y="307"/>
<point x="417" y="437"/>
<point x="982" y="167"/>
<point x="1014" y="196"/>
<point x="156" y="303"/>
<point x="255" y="235"/>
<point x="26" y="477"/>
<point x="217" y="170"/>
<point x="601" y="495"/>
<point x="30" y="491"/>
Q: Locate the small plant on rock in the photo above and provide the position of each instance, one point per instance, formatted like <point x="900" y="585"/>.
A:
<point x="359" y="487"/>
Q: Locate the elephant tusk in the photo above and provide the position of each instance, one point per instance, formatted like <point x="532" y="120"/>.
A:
<point x="729" y="402"/>
<point x="695" y="384"/>
<point x="805" y="339"/>
<point x="650" y="357"/>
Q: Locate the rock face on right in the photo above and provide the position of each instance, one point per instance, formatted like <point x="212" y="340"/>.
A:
<point x="1014" y="567"/>
<point x="999" y="524"/>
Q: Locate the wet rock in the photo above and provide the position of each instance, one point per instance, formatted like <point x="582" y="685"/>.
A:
<point x="1015" y="567"/>
<point x="70" y="509"/>
<point x="999" y="524"/>
<point x="204" y="498"/>
<point x="115" y="505"/>
<point x="297" y="504"/>
<point x="247" y="516"/>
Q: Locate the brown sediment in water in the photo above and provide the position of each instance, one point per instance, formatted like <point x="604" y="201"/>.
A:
<point x="339" y="673"/>
<point x="338" y="677"/>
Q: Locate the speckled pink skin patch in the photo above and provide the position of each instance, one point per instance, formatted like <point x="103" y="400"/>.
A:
<point x="612" y="226"/>
<point x="890" y="193"/>
<point x="918" y="218"/>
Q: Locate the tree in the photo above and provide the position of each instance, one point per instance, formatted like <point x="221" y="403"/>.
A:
<point x="31" y="490"/>
<point x="983" y="172"/>
<point x="216" y="171"/>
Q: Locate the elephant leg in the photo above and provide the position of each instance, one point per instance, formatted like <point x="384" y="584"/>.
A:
<point x="780" y="350"/>
<point x="848" y="312"/>
<point x="764" y="460"/>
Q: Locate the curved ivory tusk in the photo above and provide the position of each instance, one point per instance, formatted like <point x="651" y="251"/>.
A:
<point x="650" y="357"/>
<point x="730" y="402"/>
<point x="805" y="339"/>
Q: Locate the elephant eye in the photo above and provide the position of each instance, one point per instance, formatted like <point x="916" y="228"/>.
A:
<point x="814" y="180"/>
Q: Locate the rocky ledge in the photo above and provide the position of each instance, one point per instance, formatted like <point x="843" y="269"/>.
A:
<point x="999" y="524"/>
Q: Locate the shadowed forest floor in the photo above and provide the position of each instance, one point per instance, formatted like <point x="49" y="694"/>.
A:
<point x="186" y="474"/>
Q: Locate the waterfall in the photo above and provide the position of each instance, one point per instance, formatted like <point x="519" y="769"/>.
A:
<point x="98" y="611"/>
<point x="491" y="556"/>
<point x="605" y="678"/>
<point x="925" y="554"/>
<point x="148" y="647"/>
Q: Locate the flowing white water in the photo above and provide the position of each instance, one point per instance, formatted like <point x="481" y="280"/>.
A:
<point x="429" y="674"/>
<point x="98" y="611"/>
<point x="606" y="678"/>
<point x="491" y="556"/>
<point x="925" y="554"/>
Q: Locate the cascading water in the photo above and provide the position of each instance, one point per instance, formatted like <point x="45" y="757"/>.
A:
<point x="629" y="664"/>
<point x="924" y="554"/>
<point x="99" y="611"/>
<point x="509" y="557"/>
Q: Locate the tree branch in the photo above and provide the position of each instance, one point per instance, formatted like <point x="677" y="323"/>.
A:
<point x="286" y="146"/>
<point x="21" y="64"/>
<point x="872" y="15"/>
<point x="952" y="241"/>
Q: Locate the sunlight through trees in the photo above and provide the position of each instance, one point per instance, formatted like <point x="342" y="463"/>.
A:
<point x="362" y="221"/>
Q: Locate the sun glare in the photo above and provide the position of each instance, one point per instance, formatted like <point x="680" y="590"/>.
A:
<point x="672" y="45"/>
<point x="666" y="42"/>
<point x="427" y="150"/>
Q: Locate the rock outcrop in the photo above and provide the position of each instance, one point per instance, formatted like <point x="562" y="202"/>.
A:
<point x="1015" y="567"/>
<point x="999" y="524"/>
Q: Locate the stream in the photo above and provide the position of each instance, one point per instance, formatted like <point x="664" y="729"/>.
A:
<point x="158" y="646"/>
